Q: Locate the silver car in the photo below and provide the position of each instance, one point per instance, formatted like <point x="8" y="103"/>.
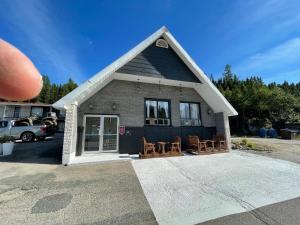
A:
<point x="24" y="132"/>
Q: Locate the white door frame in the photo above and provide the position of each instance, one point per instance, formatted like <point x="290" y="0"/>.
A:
<point x="101" y="116"/>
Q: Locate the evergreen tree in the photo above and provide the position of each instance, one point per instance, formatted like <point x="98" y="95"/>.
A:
<point x="259" y="104"/>
<point x="51" y="92"/>
<point x="44" y="96"/>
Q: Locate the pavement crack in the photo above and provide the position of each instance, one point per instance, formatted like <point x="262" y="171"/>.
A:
<point x="254" y="211"/>
<point x="258" y="214"/>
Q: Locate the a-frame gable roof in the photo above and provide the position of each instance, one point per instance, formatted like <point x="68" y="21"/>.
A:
<point x="205" y="87"/>
<point x="159" y="62"/>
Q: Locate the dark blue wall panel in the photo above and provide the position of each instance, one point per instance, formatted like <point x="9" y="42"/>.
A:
<point x="159" y="62"/>
<point x="131" y="141"/>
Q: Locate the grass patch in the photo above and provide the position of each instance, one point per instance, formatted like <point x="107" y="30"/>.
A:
<point x="245" y="144"/>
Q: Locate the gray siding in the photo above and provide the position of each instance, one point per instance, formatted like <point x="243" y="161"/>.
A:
<point x="159" y="62"/>
<point x="9" y="111"/>
<point x="2" y="111"/>
<point x="130" y="102"/>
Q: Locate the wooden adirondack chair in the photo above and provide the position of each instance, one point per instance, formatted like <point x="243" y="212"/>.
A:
<point x="195" y="143"/>
<point x="175" y="147"/>
<point x="148" y="148"/>
<point x="220" y="142"/>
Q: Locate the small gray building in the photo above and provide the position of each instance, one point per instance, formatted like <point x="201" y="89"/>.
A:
<point x="17" y="110"/>
<point x="155" y="90"/>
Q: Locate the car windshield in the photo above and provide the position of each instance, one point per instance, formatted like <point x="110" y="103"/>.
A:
<point x="3" y="124"/>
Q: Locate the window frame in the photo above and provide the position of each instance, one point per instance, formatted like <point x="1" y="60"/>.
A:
<point x="190" y="117"/>
<point x="157" y="100"/>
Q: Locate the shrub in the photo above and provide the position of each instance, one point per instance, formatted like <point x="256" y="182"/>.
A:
<point x="251" y="145"/>
<point x="6" y="139"/>
<point x="244" y="141"/>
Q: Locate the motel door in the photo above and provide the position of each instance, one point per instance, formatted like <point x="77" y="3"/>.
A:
<point x="101" y="133"/>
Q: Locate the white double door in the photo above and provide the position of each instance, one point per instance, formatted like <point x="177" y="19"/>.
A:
<point x="101" y="133"/>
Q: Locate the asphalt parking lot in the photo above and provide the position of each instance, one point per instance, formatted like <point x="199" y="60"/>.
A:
<point x="36" y="189"/>
<point x="235" y="188"/>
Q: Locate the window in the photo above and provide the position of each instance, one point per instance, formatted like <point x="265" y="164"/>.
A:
<point x="17" y="112"/>
<point x="190" y="114"/>
<point x="157" y="112"/>
<point x="162" y="43"/>
<point x="38" y="111"/>
<point x="3" y="124"/>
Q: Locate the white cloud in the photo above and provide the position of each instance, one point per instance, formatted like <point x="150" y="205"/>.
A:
<point x="33" y="19"/>
<point x="283" y="56"/>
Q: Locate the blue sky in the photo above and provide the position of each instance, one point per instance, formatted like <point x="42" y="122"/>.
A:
<point x="78" y="38"/>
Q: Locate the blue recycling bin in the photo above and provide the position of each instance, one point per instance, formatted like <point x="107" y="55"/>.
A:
<point x="262" y="132"/>
<point x="272" y="133"/>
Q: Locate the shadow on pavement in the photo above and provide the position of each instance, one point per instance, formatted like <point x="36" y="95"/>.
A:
<point x="48" y="151"/>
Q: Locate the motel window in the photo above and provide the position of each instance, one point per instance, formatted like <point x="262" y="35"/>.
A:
<point x="38" y="111"/>
<point x="157" y="112"/>
<point x="190" y="114"/>
<point x="17" y="112"/>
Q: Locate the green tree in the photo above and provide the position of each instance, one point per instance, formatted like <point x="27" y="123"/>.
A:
<point x="44" y="95"/>
<point x="259" y="104"/>
<point x="52" y="92"/>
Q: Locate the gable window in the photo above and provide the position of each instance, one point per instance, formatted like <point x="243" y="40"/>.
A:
<point x="190" y="114"/>
<point x="157" y="112"/>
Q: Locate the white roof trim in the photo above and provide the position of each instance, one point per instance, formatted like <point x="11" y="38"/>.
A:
<point x="207" y="90"/>
<point x="210" y="91"/>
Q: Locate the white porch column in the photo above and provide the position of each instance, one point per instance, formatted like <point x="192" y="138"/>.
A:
<point x="223" y="128"/>
<point x="70" y="134"/>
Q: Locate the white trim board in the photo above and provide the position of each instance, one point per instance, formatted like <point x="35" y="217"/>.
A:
<point x="207" y="90"/>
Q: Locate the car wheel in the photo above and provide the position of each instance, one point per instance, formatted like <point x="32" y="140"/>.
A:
<point x="27" y="137"/>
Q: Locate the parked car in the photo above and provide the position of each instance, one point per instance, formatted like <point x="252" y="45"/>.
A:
<point x="24" y="132"/>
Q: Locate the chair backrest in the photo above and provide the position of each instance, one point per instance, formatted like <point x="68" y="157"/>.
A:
<point x="193" y="139"/>
<point x="219" y="137"/>
<point x="144" y="141"/>
<point x="200" y="138"/>
<point x="178" y="139"/>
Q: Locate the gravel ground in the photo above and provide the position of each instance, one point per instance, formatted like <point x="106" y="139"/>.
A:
<point x="281" y="149"/>
<point x="36" y="189"/>
<point x="190" y="190"/>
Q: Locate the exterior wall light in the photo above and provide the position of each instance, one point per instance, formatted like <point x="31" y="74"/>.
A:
<point x="138" y="85"/>
<point x="91" y="106"/>
<point x="209" y="111"/>
<point x="114" y="106"/>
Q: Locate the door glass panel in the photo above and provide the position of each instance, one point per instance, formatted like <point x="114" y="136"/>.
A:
<point x="110" y="133"/>
<point x="92" y="134"/>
